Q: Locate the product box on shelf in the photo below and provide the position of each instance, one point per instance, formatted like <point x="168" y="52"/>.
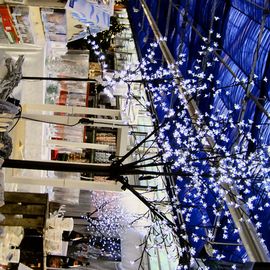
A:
<point x="7" y="25"/>
<point x="3" y="36"/>
<point x="23" y="24"/>
<point x="55" y="25"/>
<point x="94" y="70"/>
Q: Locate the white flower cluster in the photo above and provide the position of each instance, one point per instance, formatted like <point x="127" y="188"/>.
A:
<point x="219" y="163"/>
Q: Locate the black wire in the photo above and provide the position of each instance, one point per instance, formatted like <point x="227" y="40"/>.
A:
<point x="18" y="118"/>
<point x="48" y="122"/>
<point x="122" y="125"/>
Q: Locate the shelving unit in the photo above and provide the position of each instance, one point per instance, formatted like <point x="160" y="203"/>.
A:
<point x="21" y="24"/>
<point x="67" y="102"/>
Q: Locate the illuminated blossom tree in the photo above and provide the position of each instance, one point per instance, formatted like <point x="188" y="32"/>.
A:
<point x="218" y="180"/>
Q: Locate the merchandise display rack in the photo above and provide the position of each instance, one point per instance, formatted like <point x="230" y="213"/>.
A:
<point x="108" y="137"/>
<point x="23" y="24"/>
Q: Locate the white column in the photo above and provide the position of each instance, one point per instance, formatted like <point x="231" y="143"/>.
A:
<point x="73" y="120"/>
<point x="65" y="183"/>
<point x="76" y="145"/>
<point x="71" y="109"/>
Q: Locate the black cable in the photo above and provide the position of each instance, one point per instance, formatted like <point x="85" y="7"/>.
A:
<point x="18" y="118"/>
<point x="83" y="121"/>
<point x="48" y="122"/>
<point x="122" y="125"/>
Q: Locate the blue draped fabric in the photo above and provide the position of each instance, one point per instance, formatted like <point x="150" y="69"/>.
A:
<point x="253" y="10"/>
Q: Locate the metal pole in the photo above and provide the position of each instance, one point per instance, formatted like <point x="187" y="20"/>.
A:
<point x="58" y="79"/>
<point x="114" y="171"/>
<point x="79" y="79"/>
<point x="104" y="170"/>
<point x="254" y="248"/>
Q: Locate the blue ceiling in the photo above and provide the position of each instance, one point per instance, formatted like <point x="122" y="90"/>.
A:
<point x="231" y="41"/>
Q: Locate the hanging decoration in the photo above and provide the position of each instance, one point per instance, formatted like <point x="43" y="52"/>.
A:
<point x="95" y="14"/>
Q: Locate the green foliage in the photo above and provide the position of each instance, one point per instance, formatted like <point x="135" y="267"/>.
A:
<point x="52" y="89"/>
<point x="104" y="38"/>
<point x="51" y="93"/>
